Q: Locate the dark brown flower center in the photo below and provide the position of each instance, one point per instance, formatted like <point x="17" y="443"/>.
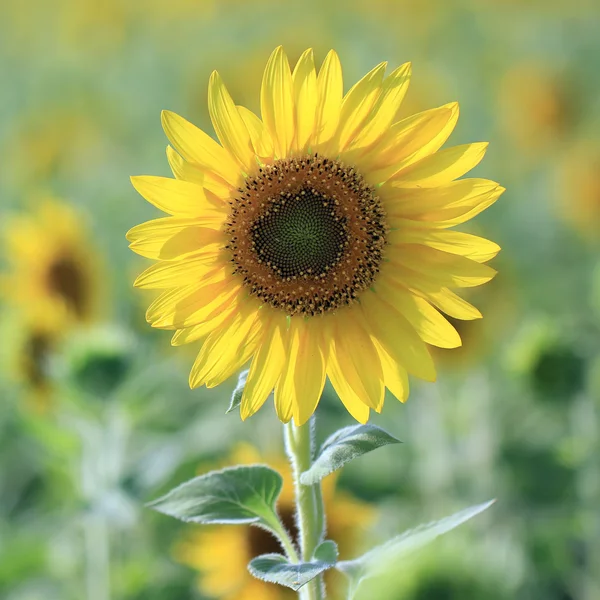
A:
<point x="307" y="235"/>
<point x="34" y="358"/>
<point x="66" y="280"/>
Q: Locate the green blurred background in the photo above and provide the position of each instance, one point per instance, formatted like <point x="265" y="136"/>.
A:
<point x="96" y="418"/>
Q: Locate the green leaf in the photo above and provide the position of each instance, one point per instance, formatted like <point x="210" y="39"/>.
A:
<point x="379" y="559"/>
<point x="326" y="551"/>
<point x="343" y="446"/>
<point x="276" y="568"/>
<point x="235" y="495"/>
<point x="236" y="396"/>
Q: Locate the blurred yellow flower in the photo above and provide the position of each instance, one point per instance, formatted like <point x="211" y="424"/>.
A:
<point x="222" y="553"/>
<point x="36" y="152"/>
<point x="27" y="360"/>
<point x="54" y="275"/>
<point x="578" y="190"/>
<point x="537" y="105"/>
<point x="315" y="242"/>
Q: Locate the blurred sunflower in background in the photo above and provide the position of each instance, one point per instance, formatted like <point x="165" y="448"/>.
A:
<point x="315" y="242"/>
<point x="537" y="105"/>
<point x="52" y="271"/>
<point x="27" y="358"/>
<point x="53" y="285"/>
<point x="578" y="190"/>
<point x="222" y="553"/>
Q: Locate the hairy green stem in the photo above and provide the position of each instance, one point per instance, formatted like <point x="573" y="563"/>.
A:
<point x="286" y="541"/>
<point x="309" y="504"/>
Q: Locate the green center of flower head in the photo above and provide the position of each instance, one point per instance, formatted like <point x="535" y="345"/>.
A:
<point x="300" y="234"/>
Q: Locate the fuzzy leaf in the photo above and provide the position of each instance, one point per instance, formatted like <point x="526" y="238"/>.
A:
<point x="275" y="568"/>
<point x="326" y="551"/>
<point x="236" y="395"/>
<point x="236" y="495"/>
<point x="379" y="559"/>
<point x="343" y="446"/>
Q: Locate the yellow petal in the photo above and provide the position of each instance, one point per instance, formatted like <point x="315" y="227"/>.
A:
<point x="441" y="167"/>
<point x="284" y="389"/>
<point x="170" y="237"/>
<point x="202" y="304"/>
<point x="424" y="318"/>
<point x="265" y="369"/>
<point x="397" y="336"/>
<point x="226" y="348"/>
<point x="437" y="138"/>
<point x="411" y="203"/>
<point x="311" y="365"/>
<point x="198" y="175"/>
<point x="378" y="123"/>
<point x="354" y="405"/>
<point x="167" y="301"/>
<point x="407" y="141"/>
<point x="176" y="273"/>
<point x="449" y="269"/>
<point x="395" y="376"/>
<point x="357" y="357"/>
<point x="197" y="332"/>
<point x="228" y="124"/>
<point x="330" y="88"/>
<point x="259" y="136"/>
<point x="446" y="300"/>
<point x="456" y="242"/>
<point x="180" y="198"/>
<point x="173" y="238"/>
<point x="356" y="105"/>
<point x="450" y="215"/>
<point x="305" y="99"/>
<point x="199" y="148"/>
<point x="303" y="375"/>
<point x="277" y="102"/>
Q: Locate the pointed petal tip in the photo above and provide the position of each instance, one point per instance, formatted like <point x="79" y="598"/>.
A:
<point x="277" y="52"/>
<point x="405" y="68"/>
<point x="332" y="55"/>
<point x="165" y="115"/>
<point x="130" y="237"/>
<point x="214" y="78"/>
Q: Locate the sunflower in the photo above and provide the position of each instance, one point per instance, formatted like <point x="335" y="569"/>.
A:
<point x="537" y="105"/>
<point x="26" y="359"/>
<point x="53" y="273"/>
<point x="314" y="242"/>
<point x="578" y="190"/>
<point x="221" y="553"/>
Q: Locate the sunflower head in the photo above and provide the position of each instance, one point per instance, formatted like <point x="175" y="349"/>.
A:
<point x="27" y="360"/>
<point x="314" y="241"/>
<point x="53" y="272"/>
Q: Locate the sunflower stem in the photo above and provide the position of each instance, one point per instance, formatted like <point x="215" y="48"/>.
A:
<point x="309" y="503"/>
